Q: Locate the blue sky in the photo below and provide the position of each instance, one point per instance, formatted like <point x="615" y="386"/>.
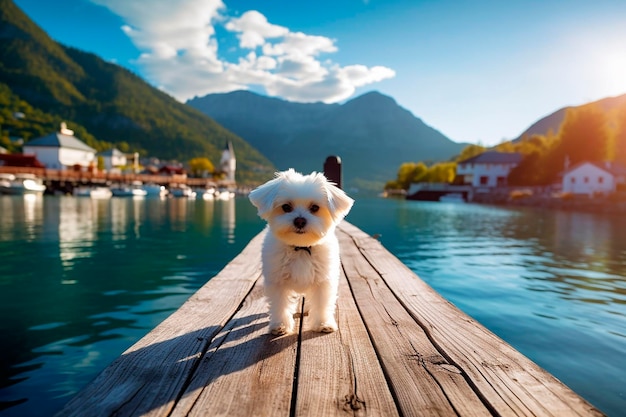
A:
<point x="478" y="71"/>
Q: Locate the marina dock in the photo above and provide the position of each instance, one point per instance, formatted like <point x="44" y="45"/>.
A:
<point x="401" y="350"/>
<point x="64" y="181"/>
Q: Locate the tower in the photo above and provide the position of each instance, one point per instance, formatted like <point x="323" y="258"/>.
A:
<point x="228" y="163"/>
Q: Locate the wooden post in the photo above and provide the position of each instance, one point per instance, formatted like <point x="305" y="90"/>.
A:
<point x="332" y="169"/>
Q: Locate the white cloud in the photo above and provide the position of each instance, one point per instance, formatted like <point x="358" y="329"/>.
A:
<point x="254" y="29"/>
<point x="360" y="75"/>
<point x="180" y="52"/>
<point x="299" y="44"/>
<point x="339" y="83"/>
<point x="301" y="68"/>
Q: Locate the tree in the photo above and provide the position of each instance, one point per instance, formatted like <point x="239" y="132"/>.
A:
<point x="392" y="185"/>
<point x="410" y="172"/>
<point x="419" y="171"/>
<point x="506" y="147"/>
<point x="200" y="167"/>
<point x="584" y="135"/>
<point x="470" y="151"/>
<point x="441" y="172"/>
<point x="530" y="171"/>
<point x="619" y="139"/>
<point x="100" y="163"/>
<point x="123" y="146"/>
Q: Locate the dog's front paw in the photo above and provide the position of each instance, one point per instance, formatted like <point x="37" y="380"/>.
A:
<point x="327" y="327"/>
<point x="280" y="329"/>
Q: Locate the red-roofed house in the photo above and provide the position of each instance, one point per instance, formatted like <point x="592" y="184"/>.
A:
<point x="171" y="170"/>
<point x="20" y="160"/>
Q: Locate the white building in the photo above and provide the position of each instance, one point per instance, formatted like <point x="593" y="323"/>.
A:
<point x="228" y="163"/>
<point x="113" y="159"/>
<point x="594" y="178"/>
<point x="489" y="169"/>
<point x="61" y="150"/>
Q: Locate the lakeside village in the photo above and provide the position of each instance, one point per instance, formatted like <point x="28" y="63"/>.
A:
<point x="585" y="186"/>
<point x="60" y="163"/>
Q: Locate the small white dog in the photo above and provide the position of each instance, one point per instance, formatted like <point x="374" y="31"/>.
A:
<point x="301" y="252"/>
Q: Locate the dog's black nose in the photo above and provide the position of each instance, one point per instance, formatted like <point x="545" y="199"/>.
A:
<point x="299" y="222"/>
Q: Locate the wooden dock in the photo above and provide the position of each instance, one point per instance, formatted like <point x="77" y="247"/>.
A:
<point x="64" y="181"/>
<point x="401" y="350"/>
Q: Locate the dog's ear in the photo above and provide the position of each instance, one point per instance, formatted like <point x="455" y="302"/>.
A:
<point x="339" y="204"/>
<point x="264" y="195"/>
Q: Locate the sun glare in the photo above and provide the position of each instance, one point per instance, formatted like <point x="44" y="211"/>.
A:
<point x="595" y="61"/>
<point x="613" y="69"/>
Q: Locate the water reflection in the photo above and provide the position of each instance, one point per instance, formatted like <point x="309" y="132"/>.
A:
<point x="33" y="213"/>
<point x="584" y="253"/>
<point x="82" y="279"/>
<point x="228" y="219"/>
<point x="77" y="229"/>
<point x="205" y="215"/>
<point x="550" y="283"/>
<point x="26" y="210"/>
<point x="179" y="210"/>
<point x="128" y="214"/>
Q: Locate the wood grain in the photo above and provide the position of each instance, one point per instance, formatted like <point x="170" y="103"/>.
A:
<point x="508" y="382"/>
<point x="246" y="371"/>
<point x="149" y="376"/>
<point x="339" y="372"/>
<point x="401" y="350"/>
<point x="425" y="384"/>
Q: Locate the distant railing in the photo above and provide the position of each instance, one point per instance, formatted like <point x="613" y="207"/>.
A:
<point x="332" y="170"/>
<point x="108" y="177"/>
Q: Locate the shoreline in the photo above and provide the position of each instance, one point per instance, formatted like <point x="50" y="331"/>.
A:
<point x="613" y="204"/>
<point x="524" y="197"/>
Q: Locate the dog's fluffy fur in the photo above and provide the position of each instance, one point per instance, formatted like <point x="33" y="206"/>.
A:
<point x="301" y="252"/>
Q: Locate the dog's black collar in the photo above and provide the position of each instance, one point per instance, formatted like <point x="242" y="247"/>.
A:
<point x="306" y="248"/>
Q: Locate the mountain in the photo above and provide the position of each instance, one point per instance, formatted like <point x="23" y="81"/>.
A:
<point x="110" y="102"/>
<point x="372" y="134"/>
<point x="553" y="121"/>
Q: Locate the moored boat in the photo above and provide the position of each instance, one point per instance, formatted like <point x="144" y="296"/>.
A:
<point x="224" y="195"/>
<point x="134" y="190"/>
<point x="155" y="190"/>
<point x="205" y="193"/>
<point x="182" y="190"/>
<point x="21" y="184"/>
<point x="93" y="192"/>
<point x="452" y="198"/>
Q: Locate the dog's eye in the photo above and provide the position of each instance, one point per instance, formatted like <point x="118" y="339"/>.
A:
<point x="314" y="208"/>
<point x="287" y="208"/>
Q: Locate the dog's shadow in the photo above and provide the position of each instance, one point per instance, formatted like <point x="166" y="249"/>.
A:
<point x="188" y="365"/>
<point x="244" y="343"/>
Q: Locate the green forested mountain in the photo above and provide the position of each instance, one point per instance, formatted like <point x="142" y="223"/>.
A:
<point x="594" y="132"/>
<point x="371" y="133"/>
<point x="552" y="123"/>
<point x="591" y="132"/>
<point x="103" y="102"/>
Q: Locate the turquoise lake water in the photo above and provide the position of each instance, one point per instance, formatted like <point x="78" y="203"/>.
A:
<point x="81" y="280"/>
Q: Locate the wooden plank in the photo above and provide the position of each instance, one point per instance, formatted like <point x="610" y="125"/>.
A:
<point x="339" y="373"/>
<point x="508" y="382"/>
<point x="424" y="382"/>
<point x="150" y="375"/>
<point x="246" y="371"/>
<point x="401" y="349"/>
